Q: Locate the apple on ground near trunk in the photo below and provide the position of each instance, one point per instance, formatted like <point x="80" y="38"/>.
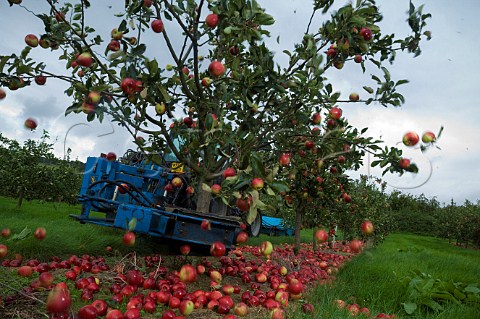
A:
<point x="188" y="273"/>
<point x="266" y="248"/>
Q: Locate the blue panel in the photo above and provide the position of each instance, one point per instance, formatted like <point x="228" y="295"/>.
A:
<point x="125" y="213"/>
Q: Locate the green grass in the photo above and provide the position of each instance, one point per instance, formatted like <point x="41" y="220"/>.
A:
<point x="369" y="279"/>
<point x="65" y="236"/>
<point x="372" y="278"/>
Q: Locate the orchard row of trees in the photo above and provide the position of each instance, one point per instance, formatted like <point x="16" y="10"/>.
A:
<point x="223" y="92"/>
<point x="31" y="171"/>
<point x="421" y="215"/>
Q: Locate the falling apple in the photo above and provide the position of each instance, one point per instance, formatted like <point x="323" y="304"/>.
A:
<point x="30" y="124"/>
<point x="428" y="137"/>
<point x="410" y="139"/>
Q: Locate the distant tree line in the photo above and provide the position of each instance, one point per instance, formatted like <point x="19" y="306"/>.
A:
<point x="31" y="171"/>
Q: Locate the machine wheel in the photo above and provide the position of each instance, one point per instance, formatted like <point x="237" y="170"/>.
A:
<point x="254" y="229"/>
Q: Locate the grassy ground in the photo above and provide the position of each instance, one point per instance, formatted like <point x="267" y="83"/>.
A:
<point x="65" y="236"/>
<point x="370" y="279"/>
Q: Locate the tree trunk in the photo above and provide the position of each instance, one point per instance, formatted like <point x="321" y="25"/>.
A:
<point x="298" y="226"/>
<point x="203" y="199"/>
<point x="20" y="197"/>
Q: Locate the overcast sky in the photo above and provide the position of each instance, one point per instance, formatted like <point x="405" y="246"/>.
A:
<point x="443" y="91"/>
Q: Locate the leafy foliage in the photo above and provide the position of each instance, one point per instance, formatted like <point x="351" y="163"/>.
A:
<point x="425" y="291"/>
<point x="31" y="171"/>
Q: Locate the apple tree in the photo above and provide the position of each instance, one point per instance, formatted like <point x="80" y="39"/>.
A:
<point x="221" y="91"/>
<point x="31" y="171"/>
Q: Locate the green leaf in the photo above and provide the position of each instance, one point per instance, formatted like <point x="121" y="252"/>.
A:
<point x="139" y="50"/>
<point x="132" y="224"/>
<point x="472" y="289"/>
<point x="3" y="61"/>
<point x="252" y="214"/>
<point x="409" y="307"/>
<point x="368" y="89"/>
<point x="206" y="188"/>
<point x="22" y="235"/>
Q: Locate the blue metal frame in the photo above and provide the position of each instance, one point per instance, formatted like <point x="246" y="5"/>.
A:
<point x="99" y="193"/>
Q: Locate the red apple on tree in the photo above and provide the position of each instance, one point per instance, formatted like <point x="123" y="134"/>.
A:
<point x="216" y="189"/>
<point x="128" y="86"/>
<point x="335" y="113"/>
<point x="31" y="40"/>
<point x="114" y="45"/>
<point x="40" y="79"/>
<point x="211" y="20"/>
<point x="243" y="204"/>
<point x="354" y="97"/>
<point x="216" y="68"/>
<point x="3" y="94"/>
<point x="358" y="58"/>
<point x="257" y="183"/>
<point x="284" y="160"/>
<point x="404" y="163"/>
<point x="157" y="26"/>
<point x="316" y="118"/>
<point x="366" y="33"/>
<point x="229" y="172"/>
<point x="85" y="59"/>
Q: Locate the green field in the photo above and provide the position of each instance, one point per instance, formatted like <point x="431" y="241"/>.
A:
<point x="371" y="279"/>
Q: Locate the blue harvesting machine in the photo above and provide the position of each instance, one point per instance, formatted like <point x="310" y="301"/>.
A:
<point x="130" y="193"/>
